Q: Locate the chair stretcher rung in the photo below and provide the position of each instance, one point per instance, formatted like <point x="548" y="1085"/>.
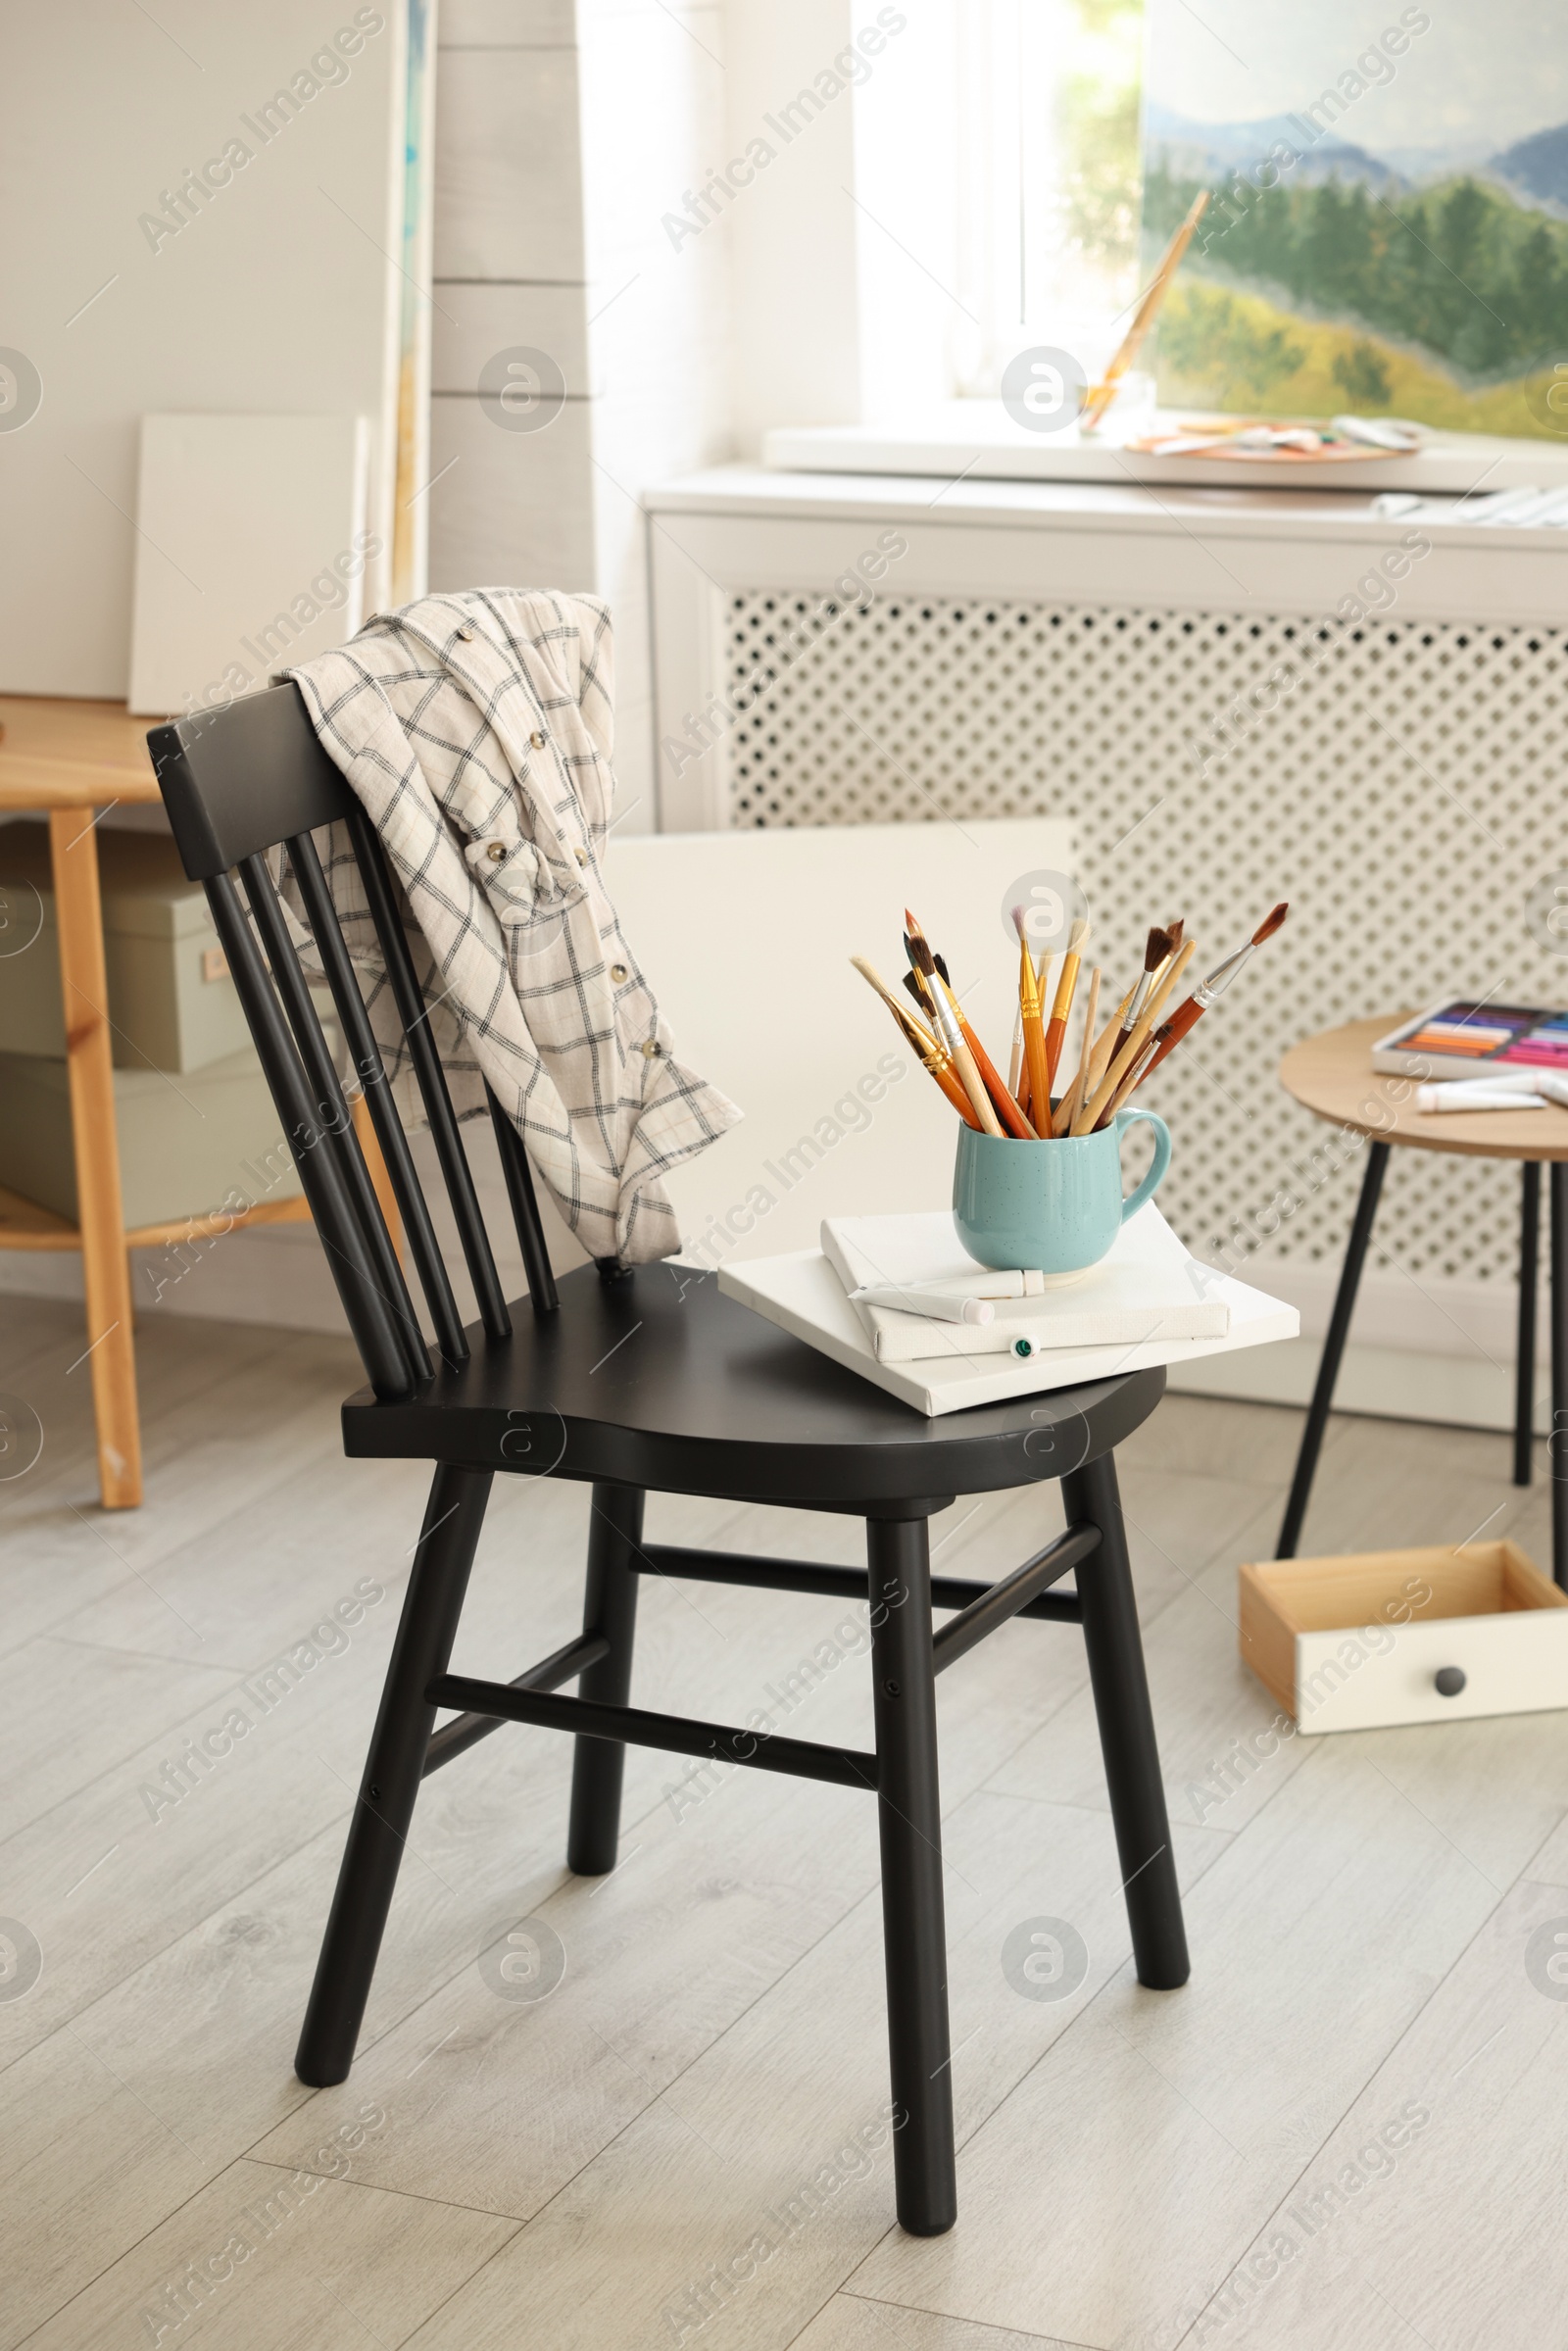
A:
<point x="1000" y="1601"/>
<point x="831" y="1582"/>
<point x="549" y="1674"/>
<point x="847" y="1767"/>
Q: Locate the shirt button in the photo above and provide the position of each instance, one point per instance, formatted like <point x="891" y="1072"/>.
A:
<point x="618" y="972"/>
<point x="651" y="1049"/>
<point x="465" y="631"/>
<point x="495" y="850"/>
<point x="581" y="856"/>
<point x="537" y="739"/>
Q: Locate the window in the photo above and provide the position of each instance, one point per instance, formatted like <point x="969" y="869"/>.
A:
<point x="1050" y="178"/>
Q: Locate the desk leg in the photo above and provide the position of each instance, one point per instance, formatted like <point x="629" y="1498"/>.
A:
<point x="1557" y="1450"/>
<point x="106" y="1269"/>
<point x="1524" y="1394"/>
<point x="1328" y="1371"/>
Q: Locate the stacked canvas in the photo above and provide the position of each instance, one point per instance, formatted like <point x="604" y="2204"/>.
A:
<point x="1147" y="1303"/>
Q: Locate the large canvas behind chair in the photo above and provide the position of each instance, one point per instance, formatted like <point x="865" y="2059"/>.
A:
<point x="746" y="938"/>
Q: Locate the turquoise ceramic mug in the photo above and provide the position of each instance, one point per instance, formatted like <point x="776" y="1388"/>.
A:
<point x="1049" y="1208"/>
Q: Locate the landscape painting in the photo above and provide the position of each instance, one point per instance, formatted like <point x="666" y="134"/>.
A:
<point x="1387" y="230"/>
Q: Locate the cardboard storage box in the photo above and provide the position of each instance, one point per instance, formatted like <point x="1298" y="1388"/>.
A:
<point x="171" y="999"/>
<point x="1383" y="1638"/>
<point x="185" y="1143"/>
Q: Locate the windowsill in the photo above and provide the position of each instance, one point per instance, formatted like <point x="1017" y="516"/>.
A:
<point x="977" y="440"/>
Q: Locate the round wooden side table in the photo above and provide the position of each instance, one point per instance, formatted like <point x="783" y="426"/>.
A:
<point x="1332" y="1076"/>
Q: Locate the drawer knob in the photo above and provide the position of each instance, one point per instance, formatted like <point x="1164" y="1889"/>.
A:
<point x="1448" y="1680"/>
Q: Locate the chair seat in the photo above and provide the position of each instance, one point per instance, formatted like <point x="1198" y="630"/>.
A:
<point x="658" y="1380"/>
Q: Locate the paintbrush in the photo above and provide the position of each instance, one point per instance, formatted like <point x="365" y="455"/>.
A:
<point x="952" y="1035"/>
<point x="1104" y="392"/>
<point x="1158" y="949"/>
<point x="1034" y="1038"/>
<point x="1015" y="1058"/>
<point x="925" y="992"/>
<point x="1062" y="1124"/>
<point x="932" y="1053"/>
<point x="1209" y="990"/>
<point x="1135" y="1073"/>
<point x="1063" y="1006"/>
<point x="1094" y="1111"/>
<point x="1012" y="1120"/>
<point x="1100" y="1059"/>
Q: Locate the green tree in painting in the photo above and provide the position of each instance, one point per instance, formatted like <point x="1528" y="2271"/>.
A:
<point x="1460" y="270"/>
<point x="1362" y="376"/>
<point x="1214" y="336"/>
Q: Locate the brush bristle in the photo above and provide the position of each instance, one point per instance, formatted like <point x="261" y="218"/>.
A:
<point x="1176" y="932"/>
<point x="913" y="986"/>
<point x="1078" y="934"/>
<point x="940" y="964"/>
<point x="919" y="953"/>
<point x="1017" y="924"/>
<point x="1160" y="945"/>
<point x="911" y="926"/>
<point x="1271" y="922"/>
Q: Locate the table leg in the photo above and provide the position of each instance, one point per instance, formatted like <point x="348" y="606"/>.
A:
<point x="1328" y="1371"/>
<point x="1524" y="1405"/>
<point x="376" y="1169"/>
<point x="1557" y="1450"/>
<point x="106" y="1268"/>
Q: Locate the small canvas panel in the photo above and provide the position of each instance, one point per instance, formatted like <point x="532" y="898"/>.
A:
<point x="251" y="550"/>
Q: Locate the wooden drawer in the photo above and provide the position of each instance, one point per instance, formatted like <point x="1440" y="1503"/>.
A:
<point x="1358" y="1644"/>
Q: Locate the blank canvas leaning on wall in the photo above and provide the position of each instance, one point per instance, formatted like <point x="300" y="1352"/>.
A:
<point x="251" y="549"/>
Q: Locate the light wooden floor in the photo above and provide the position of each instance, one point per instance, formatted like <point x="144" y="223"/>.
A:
<point x="673" y="2147"/>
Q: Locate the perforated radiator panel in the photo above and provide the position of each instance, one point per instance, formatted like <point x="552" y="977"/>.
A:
<point x="1407" y="795"/>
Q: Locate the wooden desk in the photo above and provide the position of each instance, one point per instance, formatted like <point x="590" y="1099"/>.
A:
<point x="73" y="759"/>
<point x="1332" y="1076"/>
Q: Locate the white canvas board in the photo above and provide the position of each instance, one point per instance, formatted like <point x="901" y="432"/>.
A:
<point x="745" y="939"/>
<point x="228" y="235"/>
<point x="251" y="549"/>
<point x="1141" y="1289"/>
<point x="802" y="1294"/>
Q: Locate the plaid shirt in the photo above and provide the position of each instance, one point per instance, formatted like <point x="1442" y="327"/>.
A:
<point x="476" y="729"/>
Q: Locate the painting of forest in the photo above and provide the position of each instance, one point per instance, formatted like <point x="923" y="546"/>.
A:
<point x="1344" y="264"/>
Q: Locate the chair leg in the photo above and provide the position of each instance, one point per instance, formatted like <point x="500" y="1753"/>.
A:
<point x="913" y="1926"/>
<point x="378" y="1832"/>
<point x="610" y="1607"/>
<point x="1127" y="1730"/>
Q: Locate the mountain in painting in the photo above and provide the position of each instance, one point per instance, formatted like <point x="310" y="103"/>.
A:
<point x="1537" y="167"/>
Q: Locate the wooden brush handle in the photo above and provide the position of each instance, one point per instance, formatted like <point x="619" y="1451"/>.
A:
<point x="1012" y="1119"/>
<point x="974" y="1087"/>
<point x="1060" y="1013"/>
<point x="1171" y="1032"/>
<point x="942" y="1072"/>
<point x="1067" y="1109"/>
<point x="1091" y="1115"/>
<point x="1138" y="1070"/>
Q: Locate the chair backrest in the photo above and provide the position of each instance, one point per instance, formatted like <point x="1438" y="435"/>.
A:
<point x="237" y="783"/>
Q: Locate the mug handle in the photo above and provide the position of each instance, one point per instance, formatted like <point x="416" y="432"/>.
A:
<point x="1156" y="1174"/>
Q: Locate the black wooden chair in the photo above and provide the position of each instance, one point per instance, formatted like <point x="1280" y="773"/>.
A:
<point x="631" y="1381"/>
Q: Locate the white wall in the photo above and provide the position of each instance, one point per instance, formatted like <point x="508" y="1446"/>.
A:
<point x="272" y="298"/>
